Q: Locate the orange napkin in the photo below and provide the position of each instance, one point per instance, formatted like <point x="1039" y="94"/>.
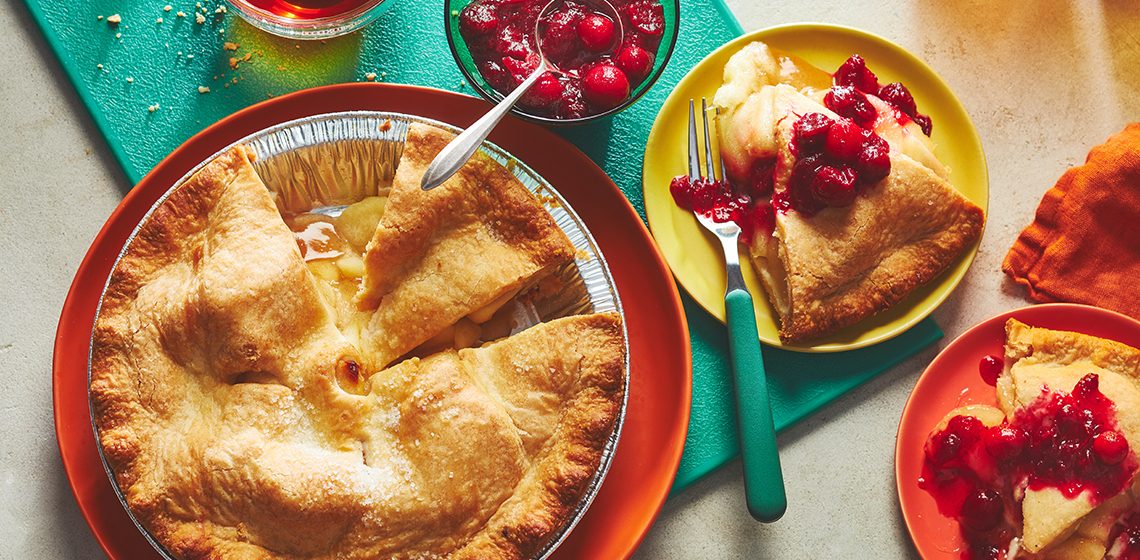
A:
<point x="1084" y="244"/>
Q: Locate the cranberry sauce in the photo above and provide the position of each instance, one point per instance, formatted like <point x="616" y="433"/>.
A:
<point x="724" y="202"/>
<point x="854" y="81"/>
<point x="1124" y="539"/>
<point x="1067" y="441"/>
<point x="600" y="65"/>
<point x="835" y="160"/>
<point x="990" y="367"/>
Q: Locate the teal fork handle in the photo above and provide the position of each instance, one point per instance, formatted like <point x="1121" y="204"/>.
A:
<point x="763" y="479"/>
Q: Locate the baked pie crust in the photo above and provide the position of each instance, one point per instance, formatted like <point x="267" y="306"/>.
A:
<point x="839" y="266"/>
<point x="218" y="382"/>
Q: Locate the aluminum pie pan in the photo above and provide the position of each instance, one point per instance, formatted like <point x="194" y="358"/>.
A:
<point x="366" y="148"/>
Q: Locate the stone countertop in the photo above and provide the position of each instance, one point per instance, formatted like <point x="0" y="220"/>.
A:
<point x="1043" y="81"/>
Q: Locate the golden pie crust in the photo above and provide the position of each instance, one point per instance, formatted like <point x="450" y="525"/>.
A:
<point x="833" y="269"/>
<point x="219" y="396"/>
<point x="1037" y="358"/>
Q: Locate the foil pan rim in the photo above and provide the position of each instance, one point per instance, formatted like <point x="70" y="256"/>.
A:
<point x="584" y="241"/>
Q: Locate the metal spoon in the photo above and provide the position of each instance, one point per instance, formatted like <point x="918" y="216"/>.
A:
<point x="459" y="150"/>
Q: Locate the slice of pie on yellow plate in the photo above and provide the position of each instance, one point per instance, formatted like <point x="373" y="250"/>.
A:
<point x="240" y="422"/>
<point x="471" y="244"/>
<point x="828" y="269"/>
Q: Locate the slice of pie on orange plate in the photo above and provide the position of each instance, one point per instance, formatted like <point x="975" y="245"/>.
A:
<point x="1050" y="472"/>
<point x="857" y="222"/>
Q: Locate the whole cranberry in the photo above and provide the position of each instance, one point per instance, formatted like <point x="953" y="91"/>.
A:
<point x="596" y="32"/>
<point x="924" y="123"/>
<point x="559" y="32"/>
<point x="547" y="91"/>
<point x="646" y="16"/>
<point x="943" y="447"/>
<point x="874" y="161"/>
<point x="1005" y="442"/>
<point x="982" y="510"/>
<point x="635" y="61"/>
<point x="810" y="131"/>
<point x="991" y="367"/>
<point x="898" y="95"/>
<point x="851" y="103"/>
<point x="854" y="72"/>
<point x="799" y="196"/>
<point x="572" y="106"/>
<point x="605" y="86"/>
<point x="511" y="42"/>
<point x="481" y="18"/>
<point x="1110" y="447"/>
<point x="834" y="186"/>
<point x="968" y="427"/>
<point x="844" y="140"/>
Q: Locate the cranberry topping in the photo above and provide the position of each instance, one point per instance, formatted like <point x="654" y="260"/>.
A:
<point x="898" y="95"/>
<point x="854" y="73"/>
<point x="1067" y="441"/>
<point x="1124" y="538"/>
<point x="810" y="132"/>
<point x="723" y="203"/>
<point x="851" y="103"/>
<point x="834" y="186"/>
<point x="991" y="367"/>
<point x="835" y="159"/>
<point x="577" y="38"/>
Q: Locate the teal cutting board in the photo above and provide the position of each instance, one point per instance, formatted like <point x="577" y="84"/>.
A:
<point x="122" y="71"/>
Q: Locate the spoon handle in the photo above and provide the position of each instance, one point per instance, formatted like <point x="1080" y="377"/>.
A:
<point x="459" y="150"/>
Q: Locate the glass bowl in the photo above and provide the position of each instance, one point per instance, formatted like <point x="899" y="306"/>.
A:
<point x="451" y="9"/>
<point x="293" y="20"/>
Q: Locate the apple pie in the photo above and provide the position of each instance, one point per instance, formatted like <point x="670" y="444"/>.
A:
<point x="1050" y="472"/>
<point x="833" y="180"/>
<point x="263" y="385"/>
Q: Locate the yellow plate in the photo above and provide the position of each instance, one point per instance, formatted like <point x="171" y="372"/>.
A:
<point x="695" y="255"/>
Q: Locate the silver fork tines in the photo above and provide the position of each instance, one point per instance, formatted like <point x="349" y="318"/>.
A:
<point x="727" y="232"/>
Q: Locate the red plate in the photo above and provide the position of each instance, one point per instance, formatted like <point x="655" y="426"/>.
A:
<point x="953" y="380"/>
<point x="658" y="415"/>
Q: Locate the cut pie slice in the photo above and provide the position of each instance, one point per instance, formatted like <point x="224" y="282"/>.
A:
<point x="470" y="244"/>
<point x="832" y="268"/>
<point x="1051" y="471"/>
<point x="1041" y="359"/>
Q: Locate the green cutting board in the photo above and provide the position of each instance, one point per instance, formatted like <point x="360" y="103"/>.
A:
<point x="147" y="64"/>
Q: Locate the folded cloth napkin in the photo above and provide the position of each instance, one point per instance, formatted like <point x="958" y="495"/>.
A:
<point x="1084" y="244"/>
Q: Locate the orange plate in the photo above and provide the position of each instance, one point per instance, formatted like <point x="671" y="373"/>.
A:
<point x="658" y="415"/>
<point x="953" y="380"/>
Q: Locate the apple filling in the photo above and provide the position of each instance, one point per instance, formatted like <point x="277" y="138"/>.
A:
<point x="333" y="244"/>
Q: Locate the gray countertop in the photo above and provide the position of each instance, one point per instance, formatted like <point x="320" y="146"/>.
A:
<point x="1043" y="81"/>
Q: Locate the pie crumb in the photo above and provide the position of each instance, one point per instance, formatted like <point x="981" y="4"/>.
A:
<point x="99" y="66"/>
<point x="100" y="18"/>
<point x="199" y="18"/>
<point x="118" y="35"/>
<point x="159" y="20"/>
<point x="130" y="80"/>
<point x="167" y="8"/>
<point x="180" y="13"/>
<point x="231" y="46"/>
<point x="371" y="76"/>
<point x="153" y="108"/>
<point x="114" y="19"/>
<point x="203" y="89"/>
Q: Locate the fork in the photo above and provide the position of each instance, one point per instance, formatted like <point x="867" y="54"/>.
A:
<point x="763" y="479"/>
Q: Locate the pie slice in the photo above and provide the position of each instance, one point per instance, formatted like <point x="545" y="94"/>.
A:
<point x="1041" y="359"/>
<point x="471" y="244"/>
<point x="1057" y="449"/>
<point x="831" y="268"/>
<point x="241" y="423"/>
